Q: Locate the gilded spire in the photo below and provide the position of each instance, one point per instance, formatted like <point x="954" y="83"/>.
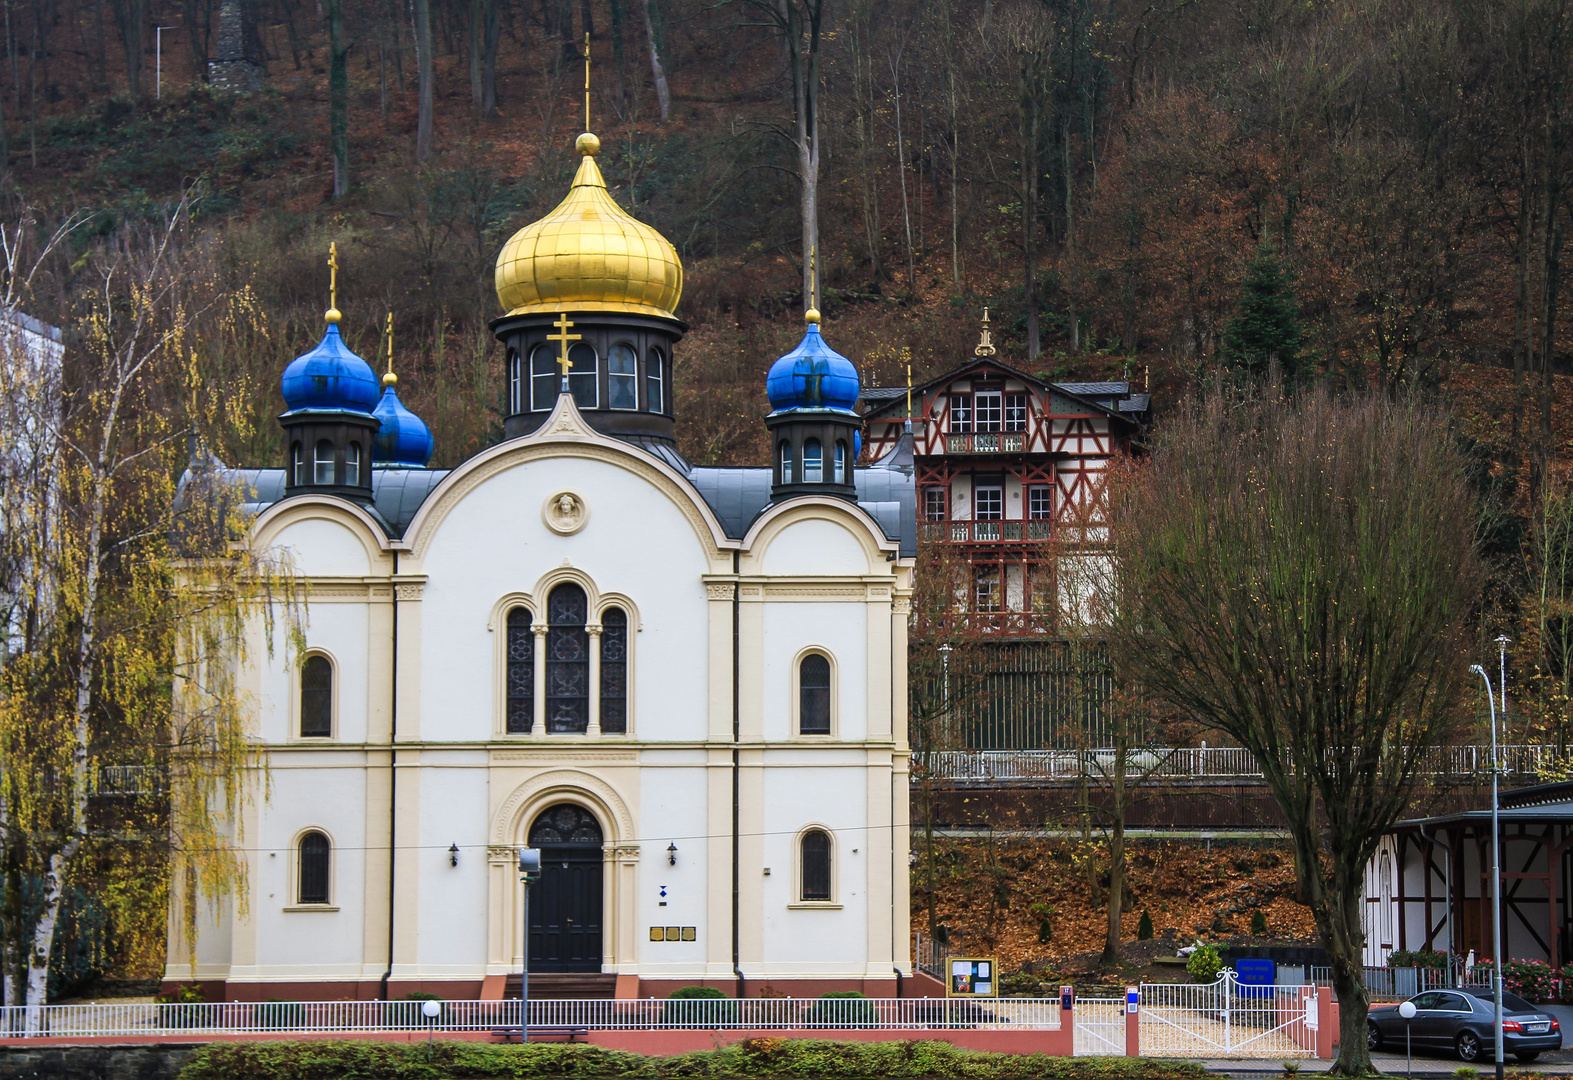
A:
<point x="587" y="80"/>
<point x="985" y="338"/>
<point x="390" y="379"/>
<point x="812" y="314"/>
<point x="332" y="315"/>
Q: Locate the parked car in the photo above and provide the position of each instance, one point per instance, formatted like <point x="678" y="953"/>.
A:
<point x="1461" y="1021"/>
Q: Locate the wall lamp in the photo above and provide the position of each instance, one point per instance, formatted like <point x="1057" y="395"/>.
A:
<point x="671" y="854"/>
<point x="453" y="854"/>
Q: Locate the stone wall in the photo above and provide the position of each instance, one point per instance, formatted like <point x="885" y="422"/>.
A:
<point x="153" y="1062"/>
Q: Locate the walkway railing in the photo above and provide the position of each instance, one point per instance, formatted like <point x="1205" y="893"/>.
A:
<point x="350" y="1017"/>
<point x="1195" y="763"/>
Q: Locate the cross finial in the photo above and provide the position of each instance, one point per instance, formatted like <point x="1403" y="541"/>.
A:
<point x="390" y="379"/>
<point x="587" y="80"/>
<point x="907" y="356"/>
<point x="562" y="338"/>
<point x="333" y="315"/>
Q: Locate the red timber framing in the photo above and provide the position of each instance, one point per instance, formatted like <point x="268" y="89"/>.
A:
<point x="1004" y="463"/>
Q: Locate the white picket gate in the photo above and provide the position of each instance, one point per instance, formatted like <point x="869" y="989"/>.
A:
<point x="1225" y="1019"/>
<point x="1100" y="1026"/>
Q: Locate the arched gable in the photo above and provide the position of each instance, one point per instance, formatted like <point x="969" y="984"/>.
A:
<point x="513" y="817"/>
<point x="356" y="527"/>
<point x="837" y="537"/>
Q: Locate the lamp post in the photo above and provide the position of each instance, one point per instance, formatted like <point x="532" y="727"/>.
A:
<point x="529" y="874"/>
<point x="158" y="61"/>
<point x="1406" y="1009"/>
<point x="1496" y="875"/>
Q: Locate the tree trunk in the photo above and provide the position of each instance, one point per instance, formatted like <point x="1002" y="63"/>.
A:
<point x="477" y="33"/>
<point x="1029" y="204"/>
<point x="901" y="166"/>
<point x="489" y="57"/>
<point x="131" y="15"/>
<point x="423" y="63"/>
<point x="805" y="100"/>
<point x="619" y="58"/>
<point x="1117" y="808"/>
<point x="663" y="96"/>
<point x="338" y="97"/>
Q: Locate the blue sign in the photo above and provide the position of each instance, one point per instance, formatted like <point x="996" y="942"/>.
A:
<point x="1256" y="977"/>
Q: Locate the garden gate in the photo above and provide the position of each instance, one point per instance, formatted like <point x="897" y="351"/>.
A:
<point x="1226" y="1019"/>
<point x="1100" y="1026"/>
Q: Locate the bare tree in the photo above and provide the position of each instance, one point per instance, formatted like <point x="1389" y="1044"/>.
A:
<point x="1301" y="576"/>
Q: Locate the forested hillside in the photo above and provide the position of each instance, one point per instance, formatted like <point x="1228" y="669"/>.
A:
<point x="1101" y="172"/>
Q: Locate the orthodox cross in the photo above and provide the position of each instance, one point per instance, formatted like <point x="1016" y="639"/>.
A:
<point x="587" y="80"/>
<point x="390" y="343"/>
<point x="333" y="275"/>
<point x="563" y="337"/>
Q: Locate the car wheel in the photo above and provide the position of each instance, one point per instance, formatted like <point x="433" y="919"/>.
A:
<point x="1527" y="1056"/>
<point x="1468" y="1046"/>
<point x="1373" y="1036"/>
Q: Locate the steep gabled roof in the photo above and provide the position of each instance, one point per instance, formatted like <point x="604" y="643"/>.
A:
<point x="887" y="401"/>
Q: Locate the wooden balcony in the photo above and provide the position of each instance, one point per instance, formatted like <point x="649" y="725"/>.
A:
<point x="985" y="532"/>
<point x="986" y="442"/>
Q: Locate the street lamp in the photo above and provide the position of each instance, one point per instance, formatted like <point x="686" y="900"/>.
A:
<point x="1496" y="873"/>
<point x="1406" y="1009"/>
<point x="529" y="874"/>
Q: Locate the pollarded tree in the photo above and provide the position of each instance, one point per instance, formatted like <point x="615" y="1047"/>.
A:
<point x="1301" y="576"/>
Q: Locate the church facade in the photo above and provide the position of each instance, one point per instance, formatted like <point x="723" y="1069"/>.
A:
<point x="686" y="686"/>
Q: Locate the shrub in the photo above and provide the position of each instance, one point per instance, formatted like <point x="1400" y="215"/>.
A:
<point x="1534" y="980"/>
<point x="699" y="1006"/>
<point x="842" y="1009"/>
<point x="1422" y="958"/>
<point x="1204" y="964"/>
<point x="1144" y="927"/>
<point x="182" y="994"/>
<point x="1258" y="923"/>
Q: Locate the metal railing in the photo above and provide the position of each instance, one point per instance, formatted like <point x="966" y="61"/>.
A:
<point x="930" y="956"/>
<point x="985" y="532"/>
<point x="1406" y="982"/>
<point x="986" y="442"/>
<point x="641" y="1014"/>
<point x="1226" y="1018"/>
<point x="1208" y="762"/>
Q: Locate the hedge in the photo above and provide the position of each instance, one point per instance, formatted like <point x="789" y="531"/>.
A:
<point x="754" y="1059"/>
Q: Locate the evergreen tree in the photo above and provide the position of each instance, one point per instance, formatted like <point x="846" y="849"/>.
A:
<point x="1266" y="323"/>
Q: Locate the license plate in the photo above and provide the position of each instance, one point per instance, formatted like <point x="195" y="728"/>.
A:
<point x="1537" y="1029"/>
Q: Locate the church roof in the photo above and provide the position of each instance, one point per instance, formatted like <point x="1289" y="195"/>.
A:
<point x="396" y="493"/>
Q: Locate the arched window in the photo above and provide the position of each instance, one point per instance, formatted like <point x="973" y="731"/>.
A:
<point x="786" y="463"/>
<point x="567" y="660"/>
<point x="813" y="695"/>
<point x="843" y="474"/>
<point x="324" y="462"/>
<point x="545" y="378"/>
<point x="614" y="671"/>
<point x="352" y="464"/>
<point x="520" y="709"/>
<point x="581" y="376"/>
<point x="654" y="376"/>
<point x="312" y="878"/>
<point x="812" y="471"/>
<point x="816" y="865"/>
<point x="515" y="382"/>
<point x="316" y="698"/>
<point x="622" y="377"/>
<point x="297" y="464"/>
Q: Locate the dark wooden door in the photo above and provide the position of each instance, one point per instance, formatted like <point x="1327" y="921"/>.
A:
<point x="565" y="905"/>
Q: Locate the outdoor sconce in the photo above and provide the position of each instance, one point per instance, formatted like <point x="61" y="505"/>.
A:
<point x="671" y="854"/>
<point x="453" y="854"/>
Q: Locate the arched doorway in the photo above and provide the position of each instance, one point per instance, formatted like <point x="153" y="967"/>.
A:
<point x="565" y="905"/>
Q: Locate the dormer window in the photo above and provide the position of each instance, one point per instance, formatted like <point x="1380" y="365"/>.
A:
<point x="961" y="413"/>
<point x="1015" y="412"/>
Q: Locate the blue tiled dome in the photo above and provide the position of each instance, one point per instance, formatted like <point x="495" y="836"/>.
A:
<point x="404" y="440"/>
<point x="812" y="376"/>
<point x="330" y="377"/>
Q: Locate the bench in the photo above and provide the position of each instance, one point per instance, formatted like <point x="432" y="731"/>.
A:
<point x="545" y="1033"/>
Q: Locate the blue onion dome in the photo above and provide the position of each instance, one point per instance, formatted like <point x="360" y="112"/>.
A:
<point x="330" y="377"/>
<point x="813" y="375"/>
<point x="404" y="440"/>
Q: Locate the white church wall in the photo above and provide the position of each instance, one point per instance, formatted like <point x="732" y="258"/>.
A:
<point x="340" y="632"/>
<point x="841" y="631"/>
<point x="452" y="920"/>
<point x="815" y="547"/>
<point x="322" y="547"/>
<point x="494" y="542"/>
<point x="672" y="805"/>
<point x="815" y="939"/>
<point x="311" y="790"/>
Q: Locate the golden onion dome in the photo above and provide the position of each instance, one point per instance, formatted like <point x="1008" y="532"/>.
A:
<point x="589" y="254"/>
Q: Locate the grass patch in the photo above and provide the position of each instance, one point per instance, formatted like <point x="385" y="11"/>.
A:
<point x="754" y="1059"/>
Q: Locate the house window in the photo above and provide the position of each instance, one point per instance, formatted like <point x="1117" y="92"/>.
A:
<point x="567" y="661"/>
<point x="843" y="473"/>
<point x="298" y="464"/>
<point x="934" y="504"/>
<point x="988" y="503"/>
<point x="515" y="382"/>
<point x="816" y="865"/>
<point x="653" y="380"/>
<point x="622" y="377"/>
<point x="786" y="463"/>
<point x="614" y="671"/>
<point x="986" y="411"/>
<point x="1015" y="412"/>
<point x="545" y="378"/>
<point x="986" y="587"/>
<point x="1040" y="502"/>
<point x="961" y="412"/>
<point x="813" y="695"/>
<point x="581" y="376"/>
<point x="315" y="857"/>
<point x="352" y="464"/>
<point x="812" y="472"/>
<point x="316" y="698"/>
<point x="324" y="463"/>
<point x="520" y="709"/>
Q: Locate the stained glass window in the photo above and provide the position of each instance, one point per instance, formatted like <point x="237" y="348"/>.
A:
<point x="521" y="673"/>
<point x="567" y="661"/>
<point x="614" y="671"/>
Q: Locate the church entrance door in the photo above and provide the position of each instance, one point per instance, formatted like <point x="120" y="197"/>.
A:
<point x="565" y="905"/>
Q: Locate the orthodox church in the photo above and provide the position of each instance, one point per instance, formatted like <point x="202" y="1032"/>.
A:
<point x="686" y="686"/>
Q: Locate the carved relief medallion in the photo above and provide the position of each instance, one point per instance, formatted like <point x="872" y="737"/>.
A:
<point x="565" y="513"/>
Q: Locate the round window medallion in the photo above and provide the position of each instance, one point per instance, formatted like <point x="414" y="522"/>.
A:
<point x="565" y="513"/>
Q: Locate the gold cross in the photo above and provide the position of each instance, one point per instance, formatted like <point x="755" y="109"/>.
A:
<point x="333" y="275"/>
<point x="587" y="80"/>
<point x="563" y="337"/>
